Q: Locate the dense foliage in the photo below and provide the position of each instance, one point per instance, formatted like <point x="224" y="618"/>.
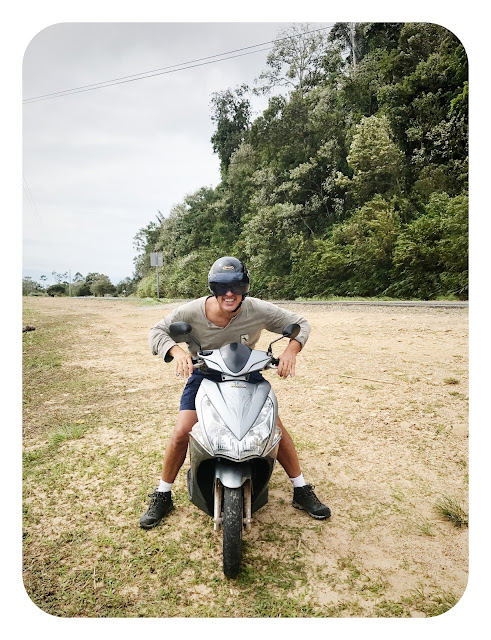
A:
<point x="354" y="183"/>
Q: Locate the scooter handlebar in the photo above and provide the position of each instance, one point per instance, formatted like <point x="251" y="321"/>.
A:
<point x="198" y="363"/>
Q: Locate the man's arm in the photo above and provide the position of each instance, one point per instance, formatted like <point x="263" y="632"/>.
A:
<point x="288" y="359"/>
<point x="159" y="338"/>
<point x="278" y="318"/>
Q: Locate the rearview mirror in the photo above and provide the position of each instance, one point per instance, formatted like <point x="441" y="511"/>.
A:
<point x="291" y="330"/>
<point x="180" y="328"/>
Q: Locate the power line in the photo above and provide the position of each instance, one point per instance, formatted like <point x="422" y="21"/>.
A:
<point x="165" y="70"/>
<point x="32" y="203"/>
<point x="110" y="83"/>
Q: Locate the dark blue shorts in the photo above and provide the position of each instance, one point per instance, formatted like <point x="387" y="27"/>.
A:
<point x="192" y="385"/>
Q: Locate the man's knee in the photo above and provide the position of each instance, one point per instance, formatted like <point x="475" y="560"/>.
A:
<point x="185" y="422"/>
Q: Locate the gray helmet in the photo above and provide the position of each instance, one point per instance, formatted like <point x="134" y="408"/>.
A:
<point x="228" y="273"/>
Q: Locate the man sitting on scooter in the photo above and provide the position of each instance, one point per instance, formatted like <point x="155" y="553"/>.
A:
<point x="226" y="316"/>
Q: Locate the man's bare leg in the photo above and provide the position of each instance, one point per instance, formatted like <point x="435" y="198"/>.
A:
<point x="303" y="495"/>
<point x="287" y="454"/>
<point x="175" y="452"/>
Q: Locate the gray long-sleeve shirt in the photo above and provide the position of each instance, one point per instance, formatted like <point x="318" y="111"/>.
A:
<point x="254" y="316"/>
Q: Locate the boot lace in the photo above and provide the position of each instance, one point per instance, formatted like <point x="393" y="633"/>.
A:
<point x="309" y="491"/>
<point x="156" y="498"/>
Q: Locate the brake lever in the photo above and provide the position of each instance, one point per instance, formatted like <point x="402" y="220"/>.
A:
<point x="198" y="363"/>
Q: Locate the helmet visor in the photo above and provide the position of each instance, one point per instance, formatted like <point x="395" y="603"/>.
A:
<point x="237" y="288"/>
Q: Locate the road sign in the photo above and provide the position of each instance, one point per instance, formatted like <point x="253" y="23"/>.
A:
<point x="156" y="260"/>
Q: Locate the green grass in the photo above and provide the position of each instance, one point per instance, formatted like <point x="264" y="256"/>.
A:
<point x="432" y="603"/>
<point x="66" y="432"/>
<point x="450" y="508"/>
<point x="424" y="526"/>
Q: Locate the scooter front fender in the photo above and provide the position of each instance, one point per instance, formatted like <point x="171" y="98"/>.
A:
<point x="233" y="475"/>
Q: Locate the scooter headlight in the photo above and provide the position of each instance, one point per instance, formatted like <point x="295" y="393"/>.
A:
<point x="199" y="436"/>
<point x="222" y="440"/>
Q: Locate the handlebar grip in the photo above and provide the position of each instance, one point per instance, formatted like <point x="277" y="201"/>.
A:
<point x="198" y="363"/>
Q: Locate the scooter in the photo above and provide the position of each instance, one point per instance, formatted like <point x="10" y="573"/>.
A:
<point x="234" y="445"/>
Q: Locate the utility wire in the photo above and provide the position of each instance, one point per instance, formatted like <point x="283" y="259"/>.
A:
<point x="165" y="70"/>
<point x="110" y="83"/>
<point x="33" y="204"/>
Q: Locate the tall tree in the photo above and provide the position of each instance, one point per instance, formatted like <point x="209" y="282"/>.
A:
<point x="376" y="161"/>
<point x="295" y="61"/>
<point x="231" y="113"/>
<point x="102" y="285"/>
<point x="350" y="37"/>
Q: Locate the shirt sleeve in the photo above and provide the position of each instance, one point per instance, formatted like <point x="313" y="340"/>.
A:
<point x="278" y="318"/>
<point x="159" y="337"/>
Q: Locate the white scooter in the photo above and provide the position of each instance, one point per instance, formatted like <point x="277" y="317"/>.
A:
<point x="234" y="444"/>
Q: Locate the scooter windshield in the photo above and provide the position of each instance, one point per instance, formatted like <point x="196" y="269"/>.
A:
<point x="235" y="355"/>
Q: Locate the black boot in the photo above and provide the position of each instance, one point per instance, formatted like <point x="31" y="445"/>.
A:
<point x="305" y="498"/>
<point x="160" y="504"/>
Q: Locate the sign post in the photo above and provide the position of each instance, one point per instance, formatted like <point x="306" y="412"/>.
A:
<point x="156" y="261"/>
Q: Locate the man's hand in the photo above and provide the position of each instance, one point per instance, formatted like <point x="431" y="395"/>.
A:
<point x="288" y="358"/>
<point x="182" y="360"/>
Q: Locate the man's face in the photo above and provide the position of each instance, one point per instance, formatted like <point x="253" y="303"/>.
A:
<point x="229" y="301"/>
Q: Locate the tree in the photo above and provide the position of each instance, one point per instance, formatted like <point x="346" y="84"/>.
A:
<point x="350" y="37"/>
<point x="375" y="159"/>
<point x="231" y="112"/>
<point x="60" y="277"/>
<point x="327" y="190"/>
<point x="58" y="289"/>
<point x="430" y="256"/>
<point x="31" y="287"/>
<point x="295" y="61"/>
<point x="356" y="259"/>
<point x="126" y="287"/>
<point x="101" y="285"/>
<point x="426" y="103"/>
<point x="144" y="243"/>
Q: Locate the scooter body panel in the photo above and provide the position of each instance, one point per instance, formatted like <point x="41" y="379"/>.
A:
<point x="237" y="402"/>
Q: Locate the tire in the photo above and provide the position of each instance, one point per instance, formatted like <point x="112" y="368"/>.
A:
<point x="233" y="501"/>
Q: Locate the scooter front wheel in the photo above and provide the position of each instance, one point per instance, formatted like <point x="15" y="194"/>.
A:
<point x="232" y="530"/>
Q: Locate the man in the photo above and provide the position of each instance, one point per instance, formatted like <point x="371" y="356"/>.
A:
<point x="224" y="317"/>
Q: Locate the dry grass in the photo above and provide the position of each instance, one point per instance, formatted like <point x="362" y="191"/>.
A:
<point x="96" y="419"/>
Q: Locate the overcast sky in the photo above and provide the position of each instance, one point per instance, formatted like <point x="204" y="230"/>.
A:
<point x="98" y="165"/>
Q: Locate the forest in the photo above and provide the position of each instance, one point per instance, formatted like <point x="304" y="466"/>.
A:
<point x="352" y="182"/>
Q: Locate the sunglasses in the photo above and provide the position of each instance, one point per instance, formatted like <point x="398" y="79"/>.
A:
<point x="221" y="288"/>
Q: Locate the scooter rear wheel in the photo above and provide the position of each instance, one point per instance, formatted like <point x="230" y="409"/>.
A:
<point x="232" y="530"/>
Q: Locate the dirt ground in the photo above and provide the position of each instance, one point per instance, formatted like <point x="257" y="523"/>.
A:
<point x="378" y="410"/>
